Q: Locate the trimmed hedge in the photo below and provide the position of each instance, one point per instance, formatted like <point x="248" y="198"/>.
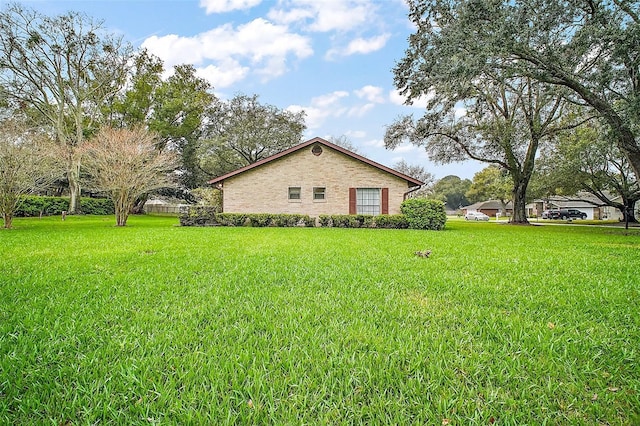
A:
<point x="424" y="214"/>
<point x="207" y="216"/>
<point x="49" y="206"/>
<point x="427" y="212"/>
<point x="396" y="221"/>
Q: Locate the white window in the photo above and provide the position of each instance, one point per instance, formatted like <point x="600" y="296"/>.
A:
<point x="319" y="193"/>
<point x="368" y="201"/>
<point x="294" y="193"/>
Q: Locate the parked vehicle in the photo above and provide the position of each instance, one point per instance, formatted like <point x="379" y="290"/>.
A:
<point x="551" y="214"/>
<point x="564" y="214"/>
<point x="572" y="214"/>
<point x="476" y="216"/>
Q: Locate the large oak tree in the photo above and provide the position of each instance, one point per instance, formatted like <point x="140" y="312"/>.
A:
<point x="591" y="48"/>
<point x="60" y="69"/>
<point x="242" y="130"/>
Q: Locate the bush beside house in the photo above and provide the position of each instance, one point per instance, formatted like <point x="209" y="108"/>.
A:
<point x="424" y="214"/>
<point x="417" y="214"/>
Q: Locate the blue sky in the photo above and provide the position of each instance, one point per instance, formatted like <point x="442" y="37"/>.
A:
<point x="332" y="58"/>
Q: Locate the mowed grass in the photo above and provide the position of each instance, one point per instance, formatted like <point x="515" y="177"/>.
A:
<point x="159" y="324"/>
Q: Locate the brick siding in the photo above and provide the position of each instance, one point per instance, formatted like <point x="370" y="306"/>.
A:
<point x="264" y="189"/>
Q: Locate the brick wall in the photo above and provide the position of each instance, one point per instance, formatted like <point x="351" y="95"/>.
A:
<point x="264" y="189"/>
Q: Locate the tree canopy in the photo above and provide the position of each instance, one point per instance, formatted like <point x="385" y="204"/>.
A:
<point x="59" y="70"/>
<point x="451" y="190"/>
<point x="242" y="131"/>
<point x="173" y="108"/>
<point x="589" y="48"/>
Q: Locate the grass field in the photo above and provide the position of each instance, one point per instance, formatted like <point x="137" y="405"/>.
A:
<point x="154" y="323"/>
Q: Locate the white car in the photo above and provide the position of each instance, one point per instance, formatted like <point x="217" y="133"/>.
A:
<point x="476" y="216"/>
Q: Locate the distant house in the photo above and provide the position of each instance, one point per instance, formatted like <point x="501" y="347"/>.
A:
<point x="587" y="203"/>
<point x="490" y="207"/>
<point x="315" y="177"/>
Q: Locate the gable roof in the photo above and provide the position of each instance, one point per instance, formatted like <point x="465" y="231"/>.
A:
<point x="579" y="200"/>
<point x="328" y="144"/>
<point x="488" y="205"/>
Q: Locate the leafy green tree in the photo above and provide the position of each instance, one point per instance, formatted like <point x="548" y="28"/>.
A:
<point x="478" y="107"/>
<point x="504" y="122"/>
<point x="61" y="69"/>
<point x="490" y="183"/>
<point x="586" y="160"/>
<point x="173" y="108"/>
<point x="451" y="190"/>
<point x="588" y="48"/>
<point x="242" y="131"/>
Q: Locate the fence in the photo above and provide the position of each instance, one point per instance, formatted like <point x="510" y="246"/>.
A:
<point x="163" y="208"/>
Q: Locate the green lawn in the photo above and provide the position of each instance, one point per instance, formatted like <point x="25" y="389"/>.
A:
<point x="154" y="323"/>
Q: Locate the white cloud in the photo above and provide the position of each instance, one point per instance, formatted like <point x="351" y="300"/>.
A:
<point x="336" y="105"/>
<point x="398" y="99"/>
<point x="407" y="147"/>
<point x="329" y="100"/>
<point x="220" y="6"/>
<point x="360" y="110"/>
<point x="225" y="75"/>
<point x="359" y="46"/>
<point x="376" y="143"/>
<point x="371" y="94"/>
<point x="357" y="134"/>
<point x="259" y="46"/>
<point x="324" y="15"/>
<point x="321" y="108"/>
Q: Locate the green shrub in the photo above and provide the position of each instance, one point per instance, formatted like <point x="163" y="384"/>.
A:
<point x="325" y="220"/>
<point x="207" y="216"/>
<point x="33" y="205"/>
<point x="394" y="221"/>
<point x="198" y="216"/>
<point x="231" y="219"/>
<point x="424" y="214"/>
<point x="363" y="221"/>
<point x="97" y="206"/>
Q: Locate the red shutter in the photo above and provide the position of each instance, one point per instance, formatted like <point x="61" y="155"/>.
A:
<point x="385" y="200"/>
<point x="352" y="201"/>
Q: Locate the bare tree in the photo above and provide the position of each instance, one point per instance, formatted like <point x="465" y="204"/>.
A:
<point x="60" y="70"/>
<point x="344" y="142"/>
<point x="418" y="172"/>
<point x="126" y="164"/>
<point x="27" y="164"/>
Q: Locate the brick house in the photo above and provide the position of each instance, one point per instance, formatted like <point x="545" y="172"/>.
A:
<point x="315" y="177"/>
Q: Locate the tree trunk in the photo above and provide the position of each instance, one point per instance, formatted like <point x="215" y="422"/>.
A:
<point x="138" y="206"/>
<point x="122" y="207"/>
<point x="627" y="212"/>
<point x="73" y="175"/>
<point x="519" y="215"/>
<point x="8" y="220"/>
